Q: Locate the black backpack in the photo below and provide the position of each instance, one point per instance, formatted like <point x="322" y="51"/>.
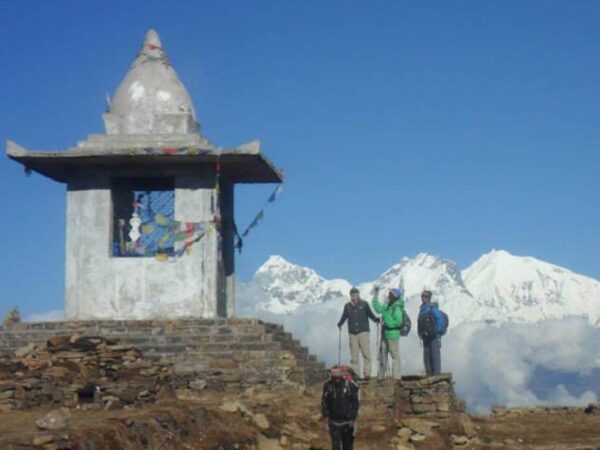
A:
<point x="406" y="324"/>
<point x="427" y="328"/>
<point x="445" y="322"/>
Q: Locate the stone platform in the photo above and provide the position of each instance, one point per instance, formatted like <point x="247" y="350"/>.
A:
<point x="213" y="353"/>
<point x="414" y="395"/>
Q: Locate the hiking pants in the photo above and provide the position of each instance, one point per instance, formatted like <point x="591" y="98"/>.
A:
<point x="432" y="356"/>
<point x="393" y="348"/>
<point x="342" y="437"/>
<point x="360" y="340"/>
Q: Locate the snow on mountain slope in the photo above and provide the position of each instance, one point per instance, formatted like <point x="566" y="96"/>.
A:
<point x="525" y="289"/>
<point x="498" y="287"/>
<point x="280" y="287"/>
<point x="283" y="286"/>
<point x="441" y="276"/>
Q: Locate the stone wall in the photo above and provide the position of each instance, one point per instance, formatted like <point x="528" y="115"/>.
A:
<point x="141" y="357"/>
<point x="213" y="354"/>
<point x="428" y="396"/>
<point x="413" y="396"/>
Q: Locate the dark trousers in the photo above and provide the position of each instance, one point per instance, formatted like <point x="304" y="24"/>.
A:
<point x="342" y="436"/>
<point x="432" y="356"/>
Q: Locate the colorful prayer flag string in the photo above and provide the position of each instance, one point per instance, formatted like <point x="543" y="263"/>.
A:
<point x="259" y="216"/>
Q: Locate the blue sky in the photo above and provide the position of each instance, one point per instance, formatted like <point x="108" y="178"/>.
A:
<point x="403" y="127"/>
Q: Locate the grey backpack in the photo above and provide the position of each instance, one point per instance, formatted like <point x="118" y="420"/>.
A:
<point x="406" y="324"/>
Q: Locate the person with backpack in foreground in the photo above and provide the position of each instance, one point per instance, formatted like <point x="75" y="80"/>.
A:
<point x="358" y="312"/>
<point x="432" y="325"/>
<point x="339" y="406"/>
<point x="393" y="319"/>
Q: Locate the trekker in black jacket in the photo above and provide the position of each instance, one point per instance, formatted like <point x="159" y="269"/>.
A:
<point x="339" y="406"/>
<point x="358" y="312"/>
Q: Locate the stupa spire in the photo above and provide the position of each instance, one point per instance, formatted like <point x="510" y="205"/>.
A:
<point x="151" y="99"/>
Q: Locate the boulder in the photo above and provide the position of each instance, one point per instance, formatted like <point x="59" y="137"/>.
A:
<point x="23" y="351"/>
<point x="261" y="420"/>
<point x="58" y="419"/>
<point x="459" y="440"/>
<point x="264" y="443"/>
<point x="420" y="426"/>
<point x="467" y="426"/>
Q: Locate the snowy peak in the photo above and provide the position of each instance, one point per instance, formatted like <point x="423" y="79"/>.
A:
<point x="280" y="287"/>
<point x="497" y="287"/>
<point x="285" y="286"/>
<point x="275" y="263"/>
<point x="526" y="289"/>
<point x="503" y="265"/>
<point x="424" y="271"/>
<point x="441" y="276"/>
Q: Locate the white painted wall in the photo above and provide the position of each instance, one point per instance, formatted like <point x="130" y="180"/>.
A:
<point x="100" y="286"/>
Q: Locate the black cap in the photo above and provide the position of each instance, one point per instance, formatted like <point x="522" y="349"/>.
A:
<point x="354" y="291"/>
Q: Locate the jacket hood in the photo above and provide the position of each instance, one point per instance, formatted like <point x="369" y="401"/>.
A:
<point x="400" y="301"/>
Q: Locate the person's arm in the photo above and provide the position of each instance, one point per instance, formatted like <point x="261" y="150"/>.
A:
<point x="325" y="401"/>
<point x="344" y="316"/>
<point x="377" y="306"/>
<point x="372" y="316"/>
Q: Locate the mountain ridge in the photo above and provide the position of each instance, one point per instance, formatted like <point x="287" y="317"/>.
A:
<point x="497" y="287"/>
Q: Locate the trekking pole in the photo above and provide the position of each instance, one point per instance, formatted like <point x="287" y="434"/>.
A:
<point x="381" y="372"/>
<point x="386" y="362"/>
<point x="339" y="345"/>
<point x="378" y="337"/>
<point x="382" y="356"/>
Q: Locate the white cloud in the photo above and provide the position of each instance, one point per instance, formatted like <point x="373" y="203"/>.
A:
<point x="55" y="315"/>
<point x="499" y="362"/>
<point x="491" y="364"/>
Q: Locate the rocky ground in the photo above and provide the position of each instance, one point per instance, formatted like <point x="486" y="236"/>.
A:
<point x="96" y="393"/>
<point x="282" y="420"/>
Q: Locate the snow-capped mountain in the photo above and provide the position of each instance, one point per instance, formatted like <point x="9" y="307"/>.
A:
<point x="280" y="287"/>
<point x="526" y="289"/>
<point x="441" y="276"/>
<point x="284" y="286"/>
<point x="498" y="287"/>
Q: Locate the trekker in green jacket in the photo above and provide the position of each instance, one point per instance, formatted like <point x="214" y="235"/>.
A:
<point x="393" y="318"/>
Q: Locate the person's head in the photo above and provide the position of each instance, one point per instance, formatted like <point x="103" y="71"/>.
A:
<point x="337" y="375"/>
<point x="394" y="294"/>
<point x="426" y="296"/>
<point x="354" y="295"/>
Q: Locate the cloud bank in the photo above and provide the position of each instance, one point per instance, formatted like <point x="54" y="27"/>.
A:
<point x="509" y="364"/>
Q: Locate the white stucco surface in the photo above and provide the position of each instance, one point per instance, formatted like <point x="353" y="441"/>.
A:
<point x="151" y="98"/>
<point x="100" y="286"/>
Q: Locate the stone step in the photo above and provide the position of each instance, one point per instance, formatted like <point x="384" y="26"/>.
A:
<point x="250" y="355"/>
<point x="273" y="327"/>
<point x="201" y="361"/>
<point x="150" y="340"/>
<point x="137" y="331"/>
<point x="194" y="340"/>
<point x="136" y="324"/>
<point x="262" y="352"/>
<point x="282" y="336"/>
<point x="246" y="351"/>
<point x="207" y="348"/>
